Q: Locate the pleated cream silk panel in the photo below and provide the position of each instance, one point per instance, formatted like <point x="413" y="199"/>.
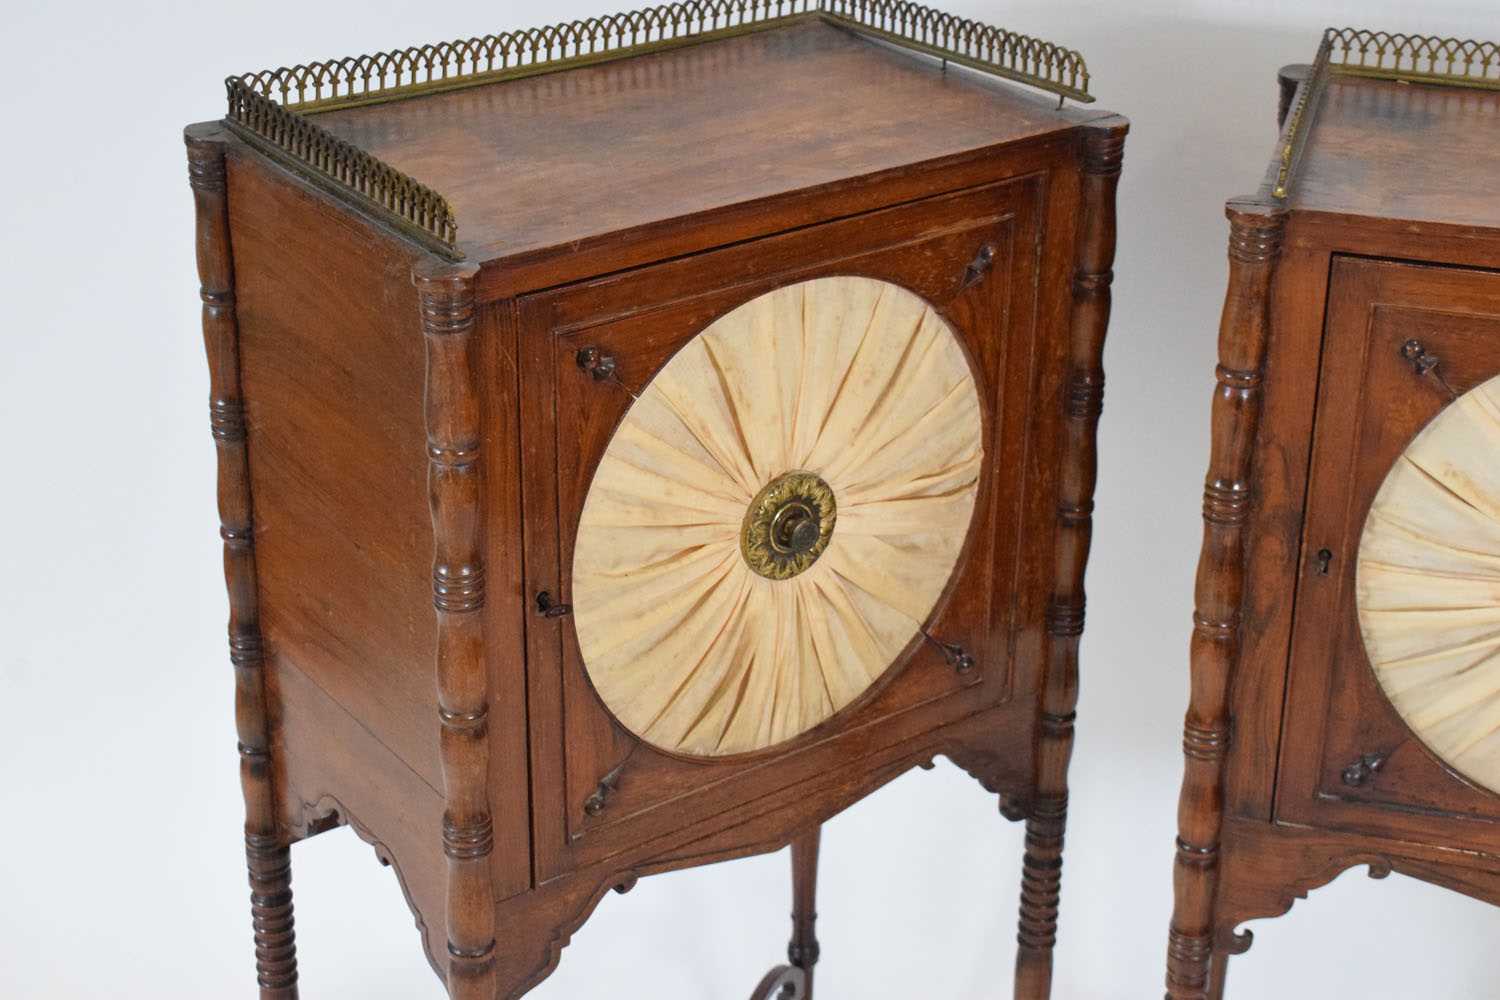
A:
<point x="777" y="515"/>
<point x="1428" y="585"/>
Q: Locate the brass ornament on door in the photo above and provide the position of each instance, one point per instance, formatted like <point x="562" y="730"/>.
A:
<point x="788" y="525"/>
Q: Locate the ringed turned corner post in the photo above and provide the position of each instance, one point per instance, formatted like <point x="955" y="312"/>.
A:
<point x="1195" y="961"/>
<point x="267" y="853"/>
<point x="1103" y="150"/>
<point x="455" y="481"/>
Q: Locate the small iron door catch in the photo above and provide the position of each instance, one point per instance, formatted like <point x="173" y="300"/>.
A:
<point x="547" y="609"/>
<point x="1364" y="769"/>
<point x="980" y="266"/>
<point x="1426" y="365"/>
<point x="956" y="656"/>
<point x="598" y="364"/>
<point x="601" y="368"/>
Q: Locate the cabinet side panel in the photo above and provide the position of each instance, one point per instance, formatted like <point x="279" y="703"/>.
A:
<point x="333" y="365"/>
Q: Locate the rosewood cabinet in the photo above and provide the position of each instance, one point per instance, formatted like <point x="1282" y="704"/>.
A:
<point x="1346" y="645"/>
<point x="641" y="438"/>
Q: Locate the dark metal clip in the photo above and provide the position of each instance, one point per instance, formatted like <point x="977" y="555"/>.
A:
<point x="598" y="364"/>
<point x="547" y="609"/>
<point x="980" y="266"/>
<point x="1364" y="769"/>
<point x="1425" y="364"/>
<point x="595" y="803"/>
<point x="958" y="658"/>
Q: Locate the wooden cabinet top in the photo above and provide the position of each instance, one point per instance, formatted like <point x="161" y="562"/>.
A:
<point x="531" y="145"/>
<point x="1406" y="151"/>
<point x="1393" y="127"/>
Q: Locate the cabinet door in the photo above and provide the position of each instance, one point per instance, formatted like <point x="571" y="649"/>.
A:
<point x="1394" y="696"/>
<point x="606" y="776"/>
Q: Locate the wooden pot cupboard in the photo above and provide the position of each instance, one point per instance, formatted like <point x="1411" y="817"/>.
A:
<point x="641" y="438"/>
<point x="1346" y="645"/>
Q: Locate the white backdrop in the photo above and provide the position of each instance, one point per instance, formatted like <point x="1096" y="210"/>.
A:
<point x="121" y="865"/>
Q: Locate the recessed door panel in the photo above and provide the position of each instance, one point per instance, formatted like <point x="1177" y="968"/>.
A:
<point x="1393" y="662"/>
<point x="725" y="368"/>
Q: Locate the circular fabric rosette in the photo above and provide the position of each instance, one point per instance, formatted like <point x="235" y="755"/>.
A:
<point x="776" y="516"/>
<point x="1428" y="585"/>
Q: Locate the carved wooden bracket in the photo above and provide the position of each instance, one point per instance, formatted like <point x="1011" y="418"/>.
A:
<point x="329" y="813"/>
<point x="1277" y="902"/>
<point x="1014" y="809"/>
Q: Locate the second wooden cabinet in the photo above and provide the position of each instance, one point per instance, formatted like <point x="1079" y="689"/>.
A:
<point x="1346" y="641"/>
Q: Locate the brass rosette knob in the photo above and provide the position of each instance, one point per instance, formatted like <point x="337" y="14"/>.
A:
<point x="788" y="525"/>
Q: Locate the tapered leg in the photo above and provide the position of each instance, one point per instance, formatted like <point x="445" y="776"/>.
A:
<point x="1217" y="972"/>
<point x="803" y="950"/>
<point x="794" y="981"/>
<point x="271" y="914"/>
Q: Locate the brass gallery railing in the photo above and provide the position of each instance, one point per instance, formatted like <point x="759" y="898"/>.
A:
<point x="273" y="109"/>
<point x="1380" y="55"/>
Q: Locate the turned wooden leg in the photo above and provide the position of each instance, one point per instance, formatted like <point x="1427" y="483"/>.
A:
<point x="270" y="864"/>
<point x="795" y="981"/>
<point x="1101" y="153"/>
<point x="1041" y="884"/>
<point x="803" y="951"/>
<point x="1217" y="972"/>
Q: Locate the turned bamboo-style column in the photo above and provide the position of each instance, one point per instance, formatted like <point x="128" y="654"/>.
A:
<point x="1041" y="878"/>
<point x="1254" y="245"/>
<point x="454" y="479"/>
<point x="267" y="854"/>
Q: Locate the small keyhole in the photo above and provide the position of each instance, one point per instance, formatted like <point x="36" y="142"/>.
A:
<point x="1324" y="558"/>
